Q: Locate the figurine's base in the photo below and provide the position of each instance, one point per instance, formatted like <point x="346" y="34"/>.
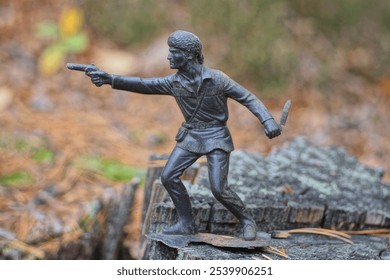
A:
<point x="181" y="241"/>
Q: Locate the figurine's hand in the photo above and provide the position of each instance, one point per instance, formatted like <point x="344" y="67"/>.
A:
<point x="99" y="77"/>
<point x="272" y="129"/>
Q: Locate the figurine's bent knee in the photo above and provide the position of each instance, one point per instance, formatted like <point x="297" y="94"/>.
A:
<point x="168" y="179"/>
<point x="165" y="179"/>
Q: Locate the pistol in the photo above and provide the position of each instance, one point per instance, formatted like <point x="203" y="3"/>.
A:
<point x="81" y="67"/>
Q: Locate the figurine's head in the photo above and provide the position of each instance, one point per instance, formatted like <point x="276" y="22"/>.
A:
<point x="187" y="42"/>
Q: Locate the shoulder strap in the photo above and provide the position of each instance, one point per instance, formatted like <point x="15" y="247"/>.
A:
<point x="201" y="98"/>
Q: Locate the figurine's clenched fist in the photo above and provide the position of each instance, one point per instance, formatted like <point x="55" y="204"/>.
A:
<point x="99" y="77"/>
<point x="272" y="129"/>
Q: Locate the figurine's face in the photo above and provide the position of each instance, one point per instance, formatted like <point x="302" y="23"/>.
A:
<point x="177" y="58"/>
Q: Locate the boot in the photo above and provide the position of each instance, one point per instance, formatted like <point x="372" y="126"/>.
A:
<point x="235" y="205"/>
<point x="181" y="228"/>
<point x="249" y="230"/>
<point x="185" y="224"/>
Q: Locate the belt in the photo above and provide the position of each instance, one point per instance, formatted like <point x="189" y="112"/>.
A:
<point x="202" y="125"/>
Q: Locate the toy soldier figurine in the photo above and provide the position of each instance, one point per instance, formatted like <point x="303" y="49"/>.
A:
<point x="202" y="95"/>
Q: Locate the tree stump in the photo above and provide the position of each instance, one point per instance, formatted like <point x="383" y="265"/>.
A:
<point x="91" y="227"/>
<point x="117" y="217"/>
<point x="298" y="185"/>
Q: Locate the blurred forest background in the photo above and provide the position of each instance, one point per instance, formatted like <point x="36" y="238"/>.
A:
<point x="331" y="58"/>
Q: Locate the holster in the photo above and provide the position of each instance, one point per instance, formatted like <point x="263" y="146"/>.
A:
<point x="183" y="131"/>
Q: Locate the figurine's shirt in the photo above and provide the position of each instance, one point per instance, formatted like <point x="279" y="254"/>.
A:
<point x="216" y="88"/>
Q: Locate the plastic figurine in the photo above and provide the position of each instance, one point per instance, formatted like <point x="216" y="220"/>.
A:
<point x="202" y="95"/>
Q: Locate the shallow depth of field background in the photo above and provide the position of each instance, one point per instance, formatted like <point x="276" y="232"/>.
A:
<point x="331" y="58"/>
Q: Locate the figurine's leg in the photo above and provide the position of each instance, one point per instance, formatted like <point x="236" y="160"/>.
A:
<point x="178" y="161"/>
<point x="218" y="165"/>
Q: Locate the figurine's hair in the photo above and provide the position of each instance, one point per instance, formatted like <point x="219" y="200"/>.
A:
<point x="188" y="42"/>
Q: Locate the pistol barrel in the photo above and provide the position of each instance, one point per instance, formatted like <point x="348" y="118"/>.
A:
<point x="78" y="67"/>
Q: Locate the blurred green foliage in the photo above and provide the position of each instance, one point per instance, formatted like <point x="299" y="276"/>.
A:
<point x="250" y="39"/>
<point x="34" y="148"/>
<point x="334" y="17"/>
<point x="24" y="149"/>
<point x="127" y="22"/>
<point x="66" y="37"/>
<point x="43" y="155"/>
<point x="110" y="169"/>
<point x="254" y="38"/>
<point x="353" y="24"/>
<point x="16" y="179"/>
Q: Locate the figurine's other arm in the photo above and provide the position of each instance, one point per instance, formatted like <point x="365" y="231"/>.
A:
<point x="134" y="84"/>
<point x="249" y="100"/>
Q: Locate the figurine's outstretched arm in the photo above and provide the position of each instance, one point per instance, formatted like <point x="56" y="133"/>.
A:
<point x="134" y="84"/>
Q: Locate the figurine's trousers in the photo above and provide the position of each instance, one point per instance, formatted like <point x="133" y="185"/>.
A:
<point x="218" y="166"/>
